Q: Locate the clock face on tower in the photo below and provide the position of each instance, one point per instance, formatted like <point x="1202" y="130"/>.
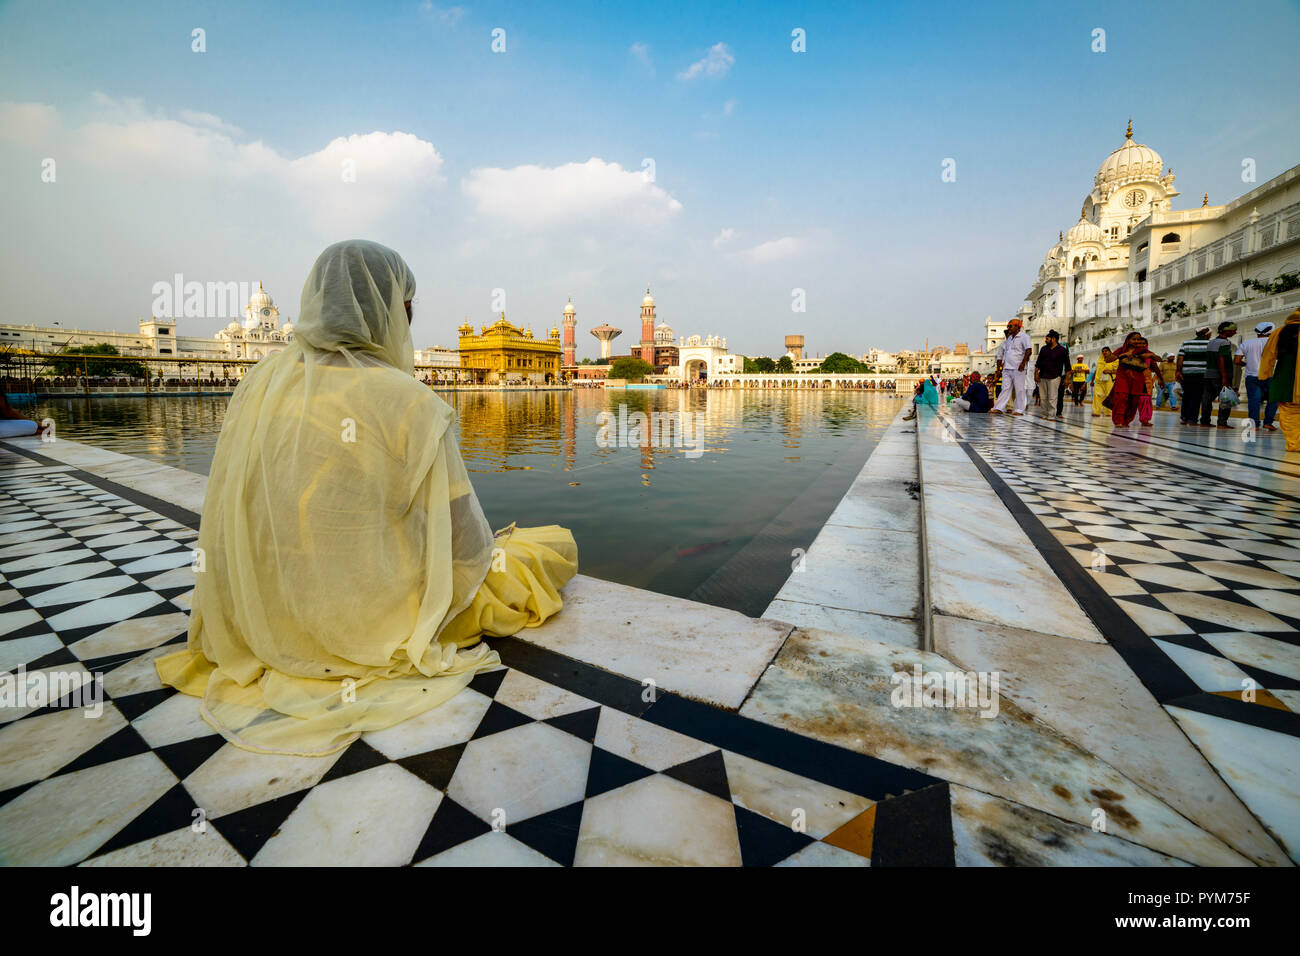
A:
<point x="1134" y="199"/>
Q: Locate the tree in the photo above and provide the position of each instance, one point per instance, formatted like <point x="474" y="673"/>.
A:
<point x="631" y="368"/>
<point x="760" y="364"/>
<point x="785" y="364"/>
<point x="838" y="362"/>
<point x="99" y="366"/>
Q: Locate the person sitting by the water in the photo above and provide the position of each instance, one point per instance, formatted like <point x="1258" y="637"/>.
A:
<point x="345" y="570"/>
<point x="13" y="424"/>
<point x="976" y="397"/>
<point x="925" y="395"/>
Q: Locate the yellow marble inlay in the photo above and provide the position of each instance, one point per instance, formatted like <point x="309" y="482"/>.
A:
<point x="855" y="836"/>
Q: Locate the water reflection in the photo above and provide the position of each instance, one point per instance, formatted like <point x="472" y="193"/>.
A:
<point x="718" y="527"/>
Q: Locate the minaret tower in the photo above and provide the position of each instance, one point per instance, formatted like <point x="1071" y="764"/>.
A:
<point x="648" y="327"/>
<point x="570" y="330"/>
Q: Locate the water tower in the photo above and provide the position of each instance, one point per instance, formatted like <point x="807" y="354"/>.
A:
<point x="606" y="333"/>
<point x="794" y="346"/>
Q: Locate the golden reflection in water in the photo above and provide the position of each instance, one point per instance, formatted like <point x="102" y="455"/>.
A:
<point x="498" y="427"/>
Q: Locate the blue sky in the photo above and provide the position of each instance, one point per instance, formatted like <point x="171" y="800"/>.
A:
<point x="522" y="170"/>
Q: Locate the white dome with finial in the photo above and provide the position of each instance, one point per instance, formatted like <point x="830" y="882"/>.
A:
<point x="649" y="299"/>
<point x="569" y="309"/>
<point x="1084" y="231"/>
<point x="260" y="299"/>
<point x="1131" y="161"/>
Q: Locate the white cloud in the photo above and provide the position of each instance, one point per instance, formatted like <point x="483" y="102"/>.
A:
<point x="641" y="53"/>
<point x="200" y="153"/>
<point x="196" y="118"/>
<point x="717" y="61"/>
<point x="728" y="107"/>
<point x="448" y="16"/>
<point x="724" y="237"/>
<point x="536" y="196"/>
<point x="28" y="124"/>
<point x="787" y="247"/>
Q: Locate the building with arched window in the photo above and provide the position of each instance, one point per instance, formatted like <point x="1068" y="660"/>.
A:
<point x="1133" y="262"/>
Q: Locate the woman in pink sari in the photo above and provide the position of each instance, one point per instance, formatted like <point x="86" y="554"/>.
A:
<point x="1135" y="360"/>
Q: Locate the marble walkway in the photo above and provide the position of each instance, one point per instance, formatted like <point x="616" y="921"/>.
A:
<point x="643" y="730"/>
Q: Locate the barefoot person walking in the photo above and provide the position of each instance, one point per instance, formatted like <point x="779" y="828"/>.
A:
<point x="1015" y="360"/>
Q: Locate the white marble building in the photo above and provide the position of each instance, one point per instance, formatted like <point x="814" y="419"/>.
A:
<point x="260" y="334"/>
<point x="1132" y="261"/>
<point x="698" y="356"/>
<point x="705" y="357"/>
<point x="438" y="357"/>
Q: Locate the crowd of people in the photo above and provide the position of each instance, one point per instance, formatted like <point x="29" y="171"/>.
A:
<point x="1132" y="381"/>
<point x="43" y="383"/>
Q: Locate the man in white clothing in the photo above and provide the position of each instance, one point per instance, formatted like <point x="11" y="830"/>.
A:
<point x="1015" y="360"/>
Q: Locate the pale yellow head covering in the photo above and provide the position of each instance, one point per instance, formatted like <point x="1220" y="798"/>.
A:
<point x="340" y="536"/>
<point x="354" y="301"/>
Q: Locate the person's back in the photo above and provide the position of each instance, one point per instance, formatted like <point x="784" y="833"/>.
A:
<point x="346" y="568"/>
<point x="336" y="472"/>
<point x="977" y="394"/>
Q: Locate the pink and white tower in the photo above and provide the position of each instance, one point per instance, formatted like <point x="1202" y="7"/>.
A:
<point x="648" y="327"/>
<point x="570" y="347"/>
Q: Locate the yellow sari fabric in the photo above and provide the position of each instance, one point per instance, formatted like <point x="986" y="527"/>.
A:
<point x="1102" y="383"/>
<point x="345" y="570"/>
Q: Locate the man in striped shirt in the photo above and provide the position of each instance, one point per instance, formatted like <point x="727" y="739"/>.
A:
<point x="1190" y="373"/>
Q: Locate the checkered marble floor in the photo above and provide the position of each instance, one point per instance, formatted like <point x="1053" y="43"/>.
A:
<point x="1202" y="565"/>
<point x="545" y="761"/>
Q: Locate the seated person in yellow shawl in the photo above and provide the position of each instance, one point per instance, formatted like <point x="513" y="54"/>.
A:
<point x="345" y="571"/>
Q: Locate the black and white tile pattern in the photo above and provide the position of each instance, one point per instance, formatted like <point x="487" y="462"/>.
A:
<point x="545" y="761"/>
<point x="1190" y="570"/>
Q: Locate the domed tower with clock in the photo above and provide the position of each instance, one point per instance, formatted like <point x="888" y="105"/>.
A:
<point x="261" y="313"/>
<point x="260" y="333"/>
<point x="1130" y="184"/>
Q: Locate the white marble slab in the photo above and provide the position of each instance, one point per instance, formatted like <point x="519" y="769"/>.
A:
<point x="61" y="820"/>
<point x="990" y="831"/>
<point x="1260" y="765"/>
<point x="856" y="569"/>
<point x="658" y="821"/>
<point x="997" y="575"/>
<point x="520" y="773"/>
<point x="708" y="653"/>
<point x="839" y="690"/>
<point x="373" y="818"/>
<point x="184" y="847"/>
<point x="1087" y="693"/>
<point x="905" y="632"/>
